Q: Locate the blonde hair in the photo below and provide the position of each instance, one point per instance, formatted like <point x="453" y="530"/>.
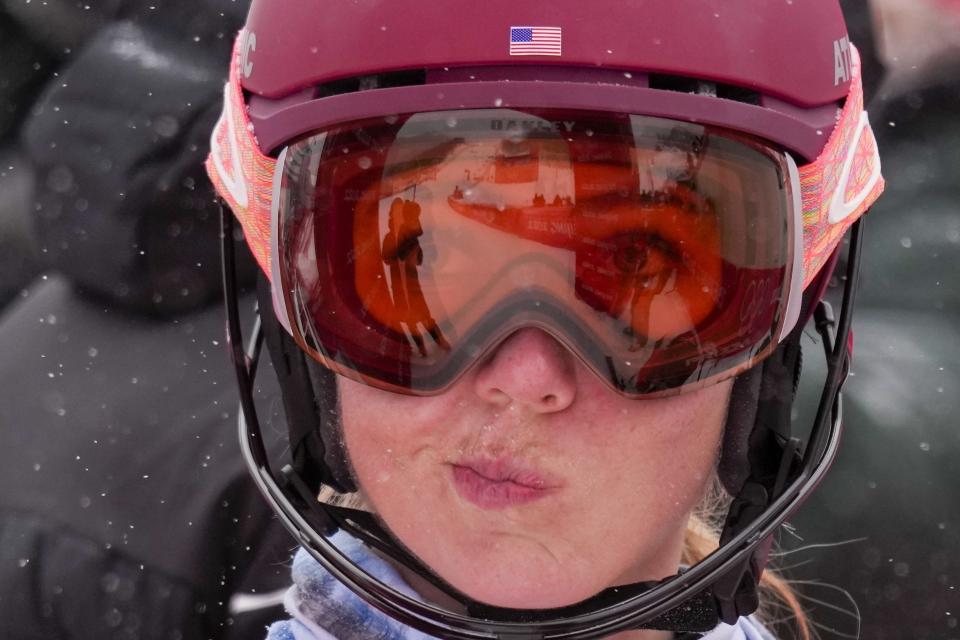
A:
<point x="702" y="538"/>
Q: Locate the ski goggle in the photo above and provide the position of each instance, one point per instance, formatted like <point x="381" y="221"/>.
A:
<point x="665" y="254"/>
<point x="661" y="253"/>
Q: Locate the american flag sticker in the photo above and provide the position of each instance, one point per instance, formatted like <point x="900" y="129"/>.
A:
<point x="535" y="41"/>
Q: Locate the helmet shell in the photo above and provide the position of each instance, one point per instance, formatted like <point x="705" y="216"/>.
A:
<point x="793" y="50"/>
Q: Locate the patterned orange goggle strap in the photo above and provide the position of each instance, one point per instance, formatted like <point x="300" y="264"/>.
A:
<point x="836" y="189"/>
<point x="839" y="186"/>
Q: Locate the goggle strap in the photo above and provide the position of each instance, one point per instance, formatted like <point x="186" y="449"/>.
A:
<point x="240" y="172"/>
<point x="842" y="183"/>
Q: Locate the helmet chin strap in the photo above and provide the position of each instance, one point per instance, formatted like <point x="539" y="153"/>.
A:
<point x="721" y="587"/>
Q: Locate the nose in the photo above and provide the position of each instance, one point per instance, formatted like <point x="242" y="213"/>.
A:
<point x="529" y="369"/>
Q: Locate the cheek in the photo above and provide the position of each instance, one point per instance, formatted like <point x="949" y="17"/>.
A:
<point x="389" y="436"/>
<point x="670" y="439"/>
<point x="690" y="441"/>
<point x="371" y="440"/>
<point x="653" y="462"/>
<point x="395" y="445"/>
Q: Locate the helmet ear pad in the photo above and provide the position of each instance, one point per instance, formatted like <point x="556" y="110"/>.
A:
<point x="758" y="417"/>
<point x="733" y="468"/>
<point x="309" y="394"/>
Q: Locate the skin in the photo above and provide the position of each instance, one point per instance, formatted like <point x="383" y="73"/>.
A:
<point x="621" y="475"/>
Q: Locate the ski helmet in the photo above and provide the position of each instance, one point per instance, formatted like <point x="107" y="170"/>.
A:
<point x="669" y="182"/>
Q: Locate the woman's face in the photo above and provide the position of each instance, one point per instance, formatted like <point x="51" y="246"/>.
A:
<point x="530" y="484"/>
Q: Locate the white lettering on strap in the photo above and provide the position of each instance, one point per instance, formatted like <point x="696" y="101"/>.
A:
<point x="839" y="209"/>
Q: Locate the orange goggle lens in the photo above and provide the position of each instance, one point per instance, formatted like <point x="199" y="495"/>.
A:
<point x="657" y="251"/>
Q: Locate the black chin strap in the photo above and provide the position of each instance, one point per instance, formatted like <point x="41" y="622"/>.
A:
<point x="697" y="615"/>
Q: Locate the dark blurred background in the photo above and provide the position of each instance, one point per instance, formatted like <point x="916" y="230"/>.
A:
<point x="101" y="186"/>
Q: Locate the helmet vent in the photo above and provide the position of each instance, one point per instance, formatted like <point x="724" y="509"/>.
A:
<point x="354" y="84"/>
<point x="685" y="84"/>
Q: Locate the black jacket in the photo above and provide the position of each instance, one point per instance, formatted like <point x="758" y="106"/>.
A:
<point x="125" y="510"/>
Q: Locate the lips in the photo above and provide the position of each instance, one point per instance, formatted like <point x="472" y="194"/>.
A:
<point x="500" y="483"/>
